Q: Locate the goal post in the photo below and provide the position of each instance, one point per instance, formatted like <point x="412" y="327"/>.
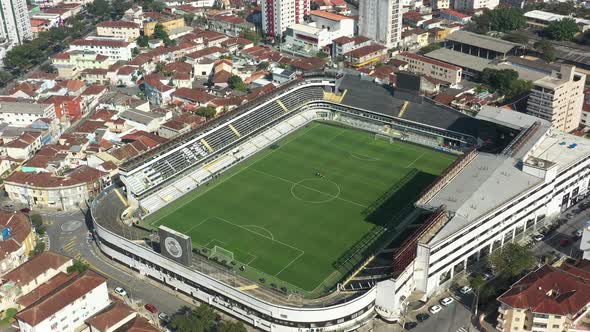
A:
<point x="221" y="254"/>
<point x="383" y="137"/>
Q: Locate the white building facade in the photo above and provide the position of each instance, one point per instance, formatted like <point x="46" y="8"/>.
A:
<point x="381" y="20"/>
<point x="15" y="25"/>
<point x="278" y="15"/>
<point x="475" y="4"/>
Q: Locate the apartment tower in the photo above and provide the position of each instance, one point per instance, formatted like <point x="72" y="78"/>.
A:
<point x="15" y="25"/>
<point x="278" y="15"/>
<point x="381" y="20"/>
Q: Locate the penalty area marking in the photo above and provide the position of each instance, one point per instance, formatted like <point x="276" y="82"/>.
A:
<point x="262" y="228"/>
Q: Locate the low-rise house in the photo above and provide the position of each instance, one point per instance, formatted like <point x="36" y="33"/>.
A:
<point x="140" y="120"/>
<point x="65" y="192"/>
<point x="69" y="107"/>
<point x="17" y="240"/>
<point x="453" y="15"/>
<point x="24" y="147"/>
<point x="232" y="26"/>
<point x="236" y="44"/>
<point x="119" y="317"/>
<point x="366" y="55"/>
<point x="116" y="49"/>
<point x="71" y="64"/>
<point x="156" y="89"/>
<point x="91" y="96"/>
<point x="414" y="39"/>
<point x="346" y="44"/>
<point x="180" y="125"/>
<point x="195" y="96"/>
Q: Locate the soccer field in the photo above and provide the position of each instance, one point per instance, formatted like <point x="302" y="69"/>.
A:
<point x="292" y="211"/>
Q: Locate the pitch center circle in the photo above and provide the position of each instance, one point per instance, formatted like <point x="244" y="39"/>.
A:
<point x="312" y="190"/>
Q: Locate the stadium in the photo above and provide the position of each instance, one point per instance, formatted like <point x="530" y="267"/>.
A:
<point x="333" y="199"/>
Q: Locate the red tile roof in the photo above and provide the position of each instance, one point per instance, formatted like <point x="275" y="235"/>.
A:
<point x="549" y="290"/>
<point x="100" y="42"/>
<point x="80" y="175"/>
<point x="454" y="13"/>
<point x="60" y="298"/>
<point x="366" y="50"/>
<point x="94" y="89"/>
<point x="35" y="267"/>
<point x="44" y="289"/>
<point x="328" y="15"/>
<point x="193" y="94"/>
<point x="207" y="51"/>
<point x="111" y="316"/>
<point x="21" y="228"/>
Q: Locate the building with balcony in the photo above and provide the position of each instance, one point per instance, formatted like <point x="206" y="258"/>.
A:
<point x="433" y="68"/>
<point x="118" y="29"/>
<point x="548" y="299"/>
<point x="559" y="98"/>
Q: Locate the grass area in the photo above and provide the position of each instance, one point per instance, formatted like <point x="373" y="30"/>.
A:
<point x="293" y="228"/>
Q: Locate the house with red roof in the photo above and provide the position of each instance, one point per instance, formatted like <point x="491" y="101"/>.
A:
<point x="23" y="147"/>
<point x="69" y="107"/>
<point x="157" y="89"/>
<point x="548" y="299"/>
<point x="455" y="16"/>
<point x="229" y="25"/>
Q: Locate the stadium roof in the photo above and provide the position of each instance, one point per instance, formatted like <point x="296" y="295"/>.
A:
<point x="482" y="41"/>
<point x="368" y="95"/>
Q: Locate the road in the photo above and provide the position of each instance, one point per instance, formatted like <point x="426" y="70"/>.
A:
<point x="68" y="235"/>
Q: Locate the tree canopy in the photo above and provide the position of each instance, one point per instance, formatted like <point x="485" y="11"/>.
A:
<point x="517" y="37"/>
<point x="78" y="266"/>
<point x="505" y="82"/>
<point x="253" y="36"/>
<point x="546" y="50"/>
<point x="564" y="29"/>
<point x="206" y="112"/>
<point x="200" y="319"/>
<point x="161" y="33"/>
<point x="429" y="48"/>
<point x="499" y="19"/>
<point x="512" y="260"/>
<point x="236" y="83"/>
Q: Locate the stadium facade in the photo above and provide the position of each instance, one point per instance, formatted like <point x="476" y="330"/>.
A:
<point x="515" y="174"/>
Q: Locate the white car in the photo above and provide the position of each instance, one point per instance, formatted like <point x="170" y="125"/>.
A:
<point x="435" y="309"/>
<point x="446" y="301"/>
<point x="538" y="237"/>
<point x="465" y="290"/>
<point x="579" y="233"/>
<point x="121" y="291"/>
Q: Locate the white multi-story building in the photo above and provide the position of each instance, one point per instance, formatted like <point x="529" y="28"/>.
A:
<point x="114" y="48"/>
<point x="559" y="98"/>
<point x="475" y="4"/>
<point x="309" y="38"/>
<point x="66" y="308"/>
<point x="381" y="20"/>
<point x="22" y="114"/>
<point x="278" y="15"/>
<point x="15" y="25"/>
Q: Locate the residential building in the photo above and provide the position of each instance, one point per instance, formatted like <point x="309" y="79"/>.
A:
<point x="24" y="147"/>
<point x="548" y="299"/>
<point x="278" y="15"/>
<point x="156" y="89"/>
<point x="559" y="98"/>
<point x="413" y="39"/>
<point x="140" y="120"/>
<point x="346" y="44"/>
<point x="455" y="16"/>
<point x="29" y="275"/>
<point x="475" y="4"/>
<point x="134" y="14"/>
<point x="441" y="4"/>
<point x="433" y="68"/>
<point x="15" y="25"/>
<point x="119" y="317"/>
<point x="68" y="306"/>
<point x="118" y="29"/>
<point x="66" y="192"/>
<point x="381" y="20"/>
<point x="169" y="24"/>
<point x="17" y="240"/>
<point x="232" y="26"/>
<point x="22" y="114"/>
<point x="366" y="55"/>
<point x="117" y="49"/>
<point x="68" y="107"/>
<point x="307" y="39"/>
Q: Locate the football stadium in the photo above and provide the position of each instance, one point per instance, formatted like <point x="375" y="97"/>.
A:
<point x="334" y="199"/>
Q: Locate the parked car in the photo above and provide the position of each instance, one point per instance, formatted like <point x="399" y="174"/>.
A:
<point x="435" y="309"/>
<point x="465" y="290"/>
<point x="151" y="308"/>
<point x="564" y="242"/>
<point x="164" y="317"/>
<point x="578" y="233"/>
<point x="538" y="237"/>
<point x="410" y="325"/>
<point x="422" y="317"/>
<point x="486" y="276"/>
<point x="25" y="210"/>
<point x="121" y="291"/>
<point x="446" y="301"/>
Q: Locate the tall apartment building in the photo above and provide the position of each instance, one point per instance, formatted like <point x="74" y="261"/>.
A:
<point x="15" y="26"/>
<point x="559" y="98"/>
<point x="278" y="15"/>
<point x="381" y="20"/>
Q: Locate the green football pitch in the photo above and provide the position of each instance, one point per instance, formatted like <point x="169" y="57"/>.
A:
<point x="292" y="211"/>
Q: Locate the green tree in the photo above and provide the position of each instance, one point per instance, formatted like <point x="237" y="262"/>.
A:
<point x="160" y="33"/>
<point x="119" y="8"/>
<point x="143" y="41"/>
<point x="4" y="77"/>
<point x="322" y="54"/>
<point x="504" y="82"/>
<point x="77" y="26"/>
<point x="263" y="65"/>
<point x="78" y="266"/>
<point x="512" y="260"/>
<point x="189" y="18"/>
<point x="500" y="19"/>
<point x="206" y="112"/>
<point x="429" y="48"/>
<point x="39" y="248"/>
<point x="546" y="50"/>
<point x="101" y="9"/>
<point x="231" y="327"/>
<point x="517" y="37"/>
<point x="253" y="36"/>
<point x="564" y="29"/>
<point x="236" y="83"/>
<point x="200" y="319"/>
